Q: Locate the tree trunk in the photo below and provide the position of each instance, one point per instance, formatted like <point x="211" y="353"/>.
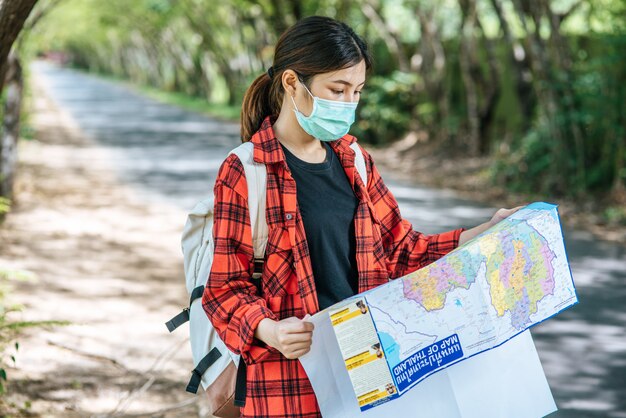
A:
<point x="482" y="87"/>
<point x="491" y="88"/>
<point x="432" y="66"/>
<point x="278" y="16"/>
<point x="521" y="71"/>
<point x="469" y="73"/>
<point x="11" y="125"/>
<point x="539" y="64"/>
<point x="13" y="14"/>
<point x="387" y="35"/>
<point x="619" y="188"/>
<point x="563" y="62"/>
<point x="618" y="182"/>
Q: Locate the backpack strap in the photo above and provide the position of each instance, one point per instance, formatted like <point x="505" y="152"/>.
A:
<point x="359" y="161"/>
<point x="183" y="317"/>
<point x="240" y="384"/>
<point x="256" y="177"/>
<point x="196" y="374"/>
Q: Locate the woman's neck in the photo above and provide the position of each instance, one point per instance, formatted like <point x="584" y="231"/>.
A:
<point x="295" y="139"/>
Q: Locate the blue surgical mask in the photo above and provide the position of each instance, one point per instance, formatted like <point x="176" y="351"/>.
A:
<point x="329" y="120"/>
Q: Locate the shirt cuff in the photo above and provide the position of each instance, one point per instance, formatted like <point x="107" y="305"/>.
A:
<point x="441" y="244"/>
<point x="457" y="236"/>
<point x="252" y="349"/>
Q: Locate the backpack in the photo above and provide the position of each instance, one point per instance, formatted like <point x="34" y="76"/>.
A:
<point x="221" y="372"/>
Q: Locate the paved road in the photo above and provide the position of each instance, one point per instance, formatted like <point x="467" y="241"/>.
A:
<point x="173" y="155"/>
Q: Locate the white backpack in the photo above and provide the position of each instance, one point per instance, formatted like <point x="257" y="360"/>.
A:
<point x="220" y="371"/>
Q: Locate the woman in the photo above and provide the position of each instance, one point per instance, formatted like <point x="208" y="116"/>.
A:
<point x="330" y="235"/>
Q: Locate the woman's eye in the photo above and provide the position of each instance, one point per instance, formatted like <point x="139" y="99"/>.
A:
<point x="337" y="91"/>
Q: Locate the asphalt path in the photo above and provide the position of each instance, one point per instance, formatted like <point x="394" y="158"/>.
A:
<point x="172" y="155"/>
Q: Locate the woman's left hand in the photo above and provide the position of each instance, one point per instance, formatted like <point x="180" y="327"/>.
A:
<point x="497" y="217"/>
<point x="502" y="214"/>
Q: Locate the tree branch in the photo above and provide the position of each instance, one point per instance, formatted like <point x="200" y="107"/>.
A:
<point x="570" y="11"/>
<point x="13" y="14"/>
<point x="391" y="40"/>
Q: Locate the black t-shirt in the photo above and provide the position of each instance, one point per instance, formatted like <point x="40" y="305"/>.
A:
<point x="327" y="204"/>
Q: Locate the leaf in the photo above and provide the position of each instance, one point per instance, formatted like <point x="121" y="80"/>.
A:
<point x="3" y="374"/>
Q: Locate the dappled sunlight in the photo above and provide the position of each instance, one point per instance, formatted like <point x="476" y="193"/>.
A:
<point x="116" y="116"/>
<point x="103" y="259"/>
<point x="583" y="350"/>
<point x="153" y="146"/>
<point x="107" y="258"/>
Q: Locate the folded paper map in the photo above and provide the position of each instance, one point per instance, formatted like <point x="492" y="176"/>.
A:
<point x="476" y="298"/>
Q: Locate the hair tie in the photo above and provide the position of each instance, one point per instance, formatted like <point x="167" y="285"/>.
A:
<point x="270" y="72"/>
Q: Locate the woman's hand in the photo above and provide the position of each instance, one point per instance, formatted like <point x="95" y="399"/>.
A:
<point x="503" y="214"/>
<point x="291" y="336"/>
<point x="497" y="217"/>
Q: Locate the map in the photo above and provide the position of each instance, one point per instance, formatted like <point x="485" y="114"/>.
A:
<point x="477" y="297"/>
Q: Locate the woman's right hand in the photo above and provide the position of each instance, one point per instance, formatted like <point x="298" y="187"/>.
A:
<point x="291" y="336"/>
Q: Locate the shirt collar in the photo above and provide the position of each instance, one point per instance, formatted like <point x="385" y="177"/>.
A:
<point x="267" y="148"/>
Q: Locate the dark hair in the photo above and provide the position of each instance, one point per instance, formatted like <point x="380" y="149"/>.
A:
<point x="313" y="45"/>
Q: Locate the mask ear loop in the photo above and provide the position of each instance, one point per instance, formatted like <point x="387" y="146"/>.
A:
<point x="307" y="89"/>
<point x="294" y="101"/>
<point x="294" y="104"/>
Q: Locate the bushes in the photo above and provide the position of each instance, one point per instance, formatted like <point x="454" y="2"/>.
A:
<point x="555" y="160"/>
<point x="384" y="108"/>
<point x="519" y="78"/>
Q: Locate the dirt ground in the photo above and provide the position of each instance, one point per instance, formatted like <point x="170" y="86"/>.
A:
<point x="106" y="261"/>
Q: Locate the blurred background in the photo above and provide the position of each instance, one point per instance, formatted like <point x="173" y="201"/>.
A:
<point x="116" y="116"/>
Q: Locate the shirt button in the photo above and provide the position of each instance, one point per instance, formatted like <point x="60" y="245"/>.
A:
<point x="289" y="216"/>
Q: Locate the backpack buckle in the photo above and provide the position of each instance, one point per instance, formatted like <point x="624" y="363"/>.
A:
<point x="178" y="320"/>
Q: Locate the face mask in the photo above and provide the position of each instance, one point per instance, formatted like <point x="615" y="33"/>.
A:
<point x="329" y="120"/>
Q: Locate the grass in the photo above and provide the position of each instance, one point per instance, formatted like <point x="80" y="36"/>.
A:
<point x="196" y="104"/>
<point x="5" y="205"/>
<point x="615" y="215"/>
<point x="218" y="110"/>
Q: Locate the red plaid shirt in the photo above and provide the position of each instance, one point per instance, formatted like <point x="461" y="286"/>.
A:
<point x="387" y="247"/>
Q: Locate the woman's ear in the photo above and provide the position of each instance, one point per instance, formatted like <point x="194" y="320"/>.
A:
<point x="289" y="80"/>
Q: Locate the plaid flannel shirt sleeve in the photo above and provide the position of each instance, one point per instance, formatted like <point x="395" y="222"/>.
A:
<point x="406" y="250"/>
<point x="230" y="299"/>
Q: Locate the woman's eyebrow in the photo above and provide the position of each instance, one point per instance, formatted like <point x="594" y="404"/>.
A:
<point x="347" y="83"/>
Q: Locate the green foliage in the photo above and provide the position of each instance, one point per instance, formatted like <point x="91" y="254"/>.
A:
<point x="549" y="158"/>
<point x="5" y="205"/>
<point x="615" y="215"/>
<point x="531" y="159"/>
<point x="203" y="55"/>
<point x="383" y="114"/>
<point x="219" y="110"/>
<point x="3" y="96"/>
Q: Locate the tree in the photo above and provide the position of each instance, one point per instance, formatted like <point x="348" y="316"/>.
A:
<point x="13" y="14"/>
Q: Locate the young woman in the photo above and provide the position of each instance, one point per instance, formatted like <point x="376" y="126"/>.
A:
<point x="330" y="235"/>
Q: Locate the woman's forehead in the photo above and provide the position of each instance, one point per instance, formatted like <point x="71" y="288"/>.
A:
<point x="354" y="75"/>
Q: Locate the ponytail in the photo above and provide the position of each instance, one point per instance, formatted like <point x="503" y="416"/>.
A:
<point x="259" y="102"/>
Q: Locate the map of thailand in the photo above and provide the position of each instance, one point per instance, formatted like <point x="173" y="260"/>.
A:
<point x="518" y="269"/>
<point x="477" y="297"/>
